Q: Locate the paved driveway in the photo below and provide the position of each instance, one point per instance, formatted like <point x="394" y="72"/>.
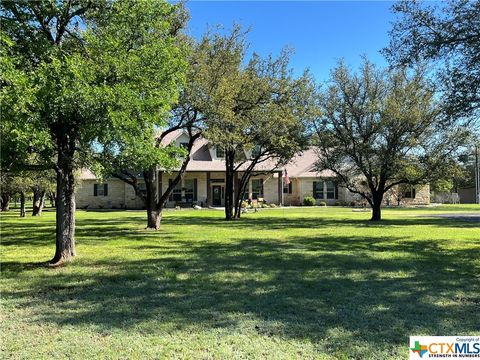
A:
<point x="464" y="216"/>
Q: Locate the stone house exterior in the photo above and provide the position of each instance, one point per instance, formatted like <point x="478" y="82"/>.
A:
<point x="204" y="183"/>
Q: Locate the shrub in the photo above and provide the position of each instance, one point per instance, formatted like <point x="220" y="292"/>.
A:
<point x="244" y="204"/>
<point x="308" y="201"/>
<point x="322" y="203"/>
<point x="273" y="205"/>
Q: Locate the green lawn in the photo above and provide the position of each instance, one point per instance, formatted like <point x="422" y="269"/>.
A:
<point x="278" y="284"/>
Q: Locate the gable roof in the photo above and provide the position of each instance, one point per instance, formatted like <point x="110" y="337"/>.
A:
<point x="301" y="166"/>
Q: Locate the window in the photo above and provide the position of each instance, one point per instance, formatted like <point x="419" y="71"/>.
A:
<point x="318" y="189"/>
<point x="176" y="194"/>
<point x="331" y="190"/>
<point x="100" y="189"/>
<point x="184" y="145"/>
<point x="220" y="152"/>
<point x="410" y="193"/>
<point x="287" y="189"/>
<point x="190" y="186"/>
<point x="257" y="188"/>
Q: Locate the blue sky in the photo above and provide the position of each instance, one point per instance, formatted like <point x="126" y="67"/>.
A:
<point x="321" y="32"/>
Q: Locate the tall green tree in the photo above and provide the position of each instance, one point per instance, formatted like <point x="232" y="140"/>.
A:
<point x="446" y="34"/>
<point x="140" y="168"/>
<point x="253" y="108"/>
<point x="381" y="129"/>
<point x="101" y="72"/>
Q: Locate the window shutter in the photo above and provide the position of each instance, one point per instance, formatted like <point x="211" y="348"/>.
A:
<point x="261" y="187"/>
<point x="95" y="189"/>
<point x="105" y="189"/>
<point x="195" y="189"/>
<point x="413" y="193"/>
<point x="170" y="197"/>
<point x="336" y="191"/>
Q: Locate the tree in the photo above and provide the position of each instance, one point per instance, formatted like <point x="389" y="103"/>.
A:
<point x="447" y="33"/>
<point x="42" y="184"/>
<point x="380" y="129"/>
<point x="254" y="111"/>
<point x="99" y="72"/>
<point x="274" y="130"/>
<point x="175" y="160"/>
<point x="133" y="166"/>
<point x="17" y="184"/>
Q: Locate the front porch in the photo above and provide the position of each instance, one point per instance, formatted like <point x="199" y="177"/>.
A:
<point x="207" y="188"/>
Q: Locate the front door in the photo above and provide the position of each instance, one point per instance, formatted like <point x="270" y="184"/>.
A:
<point x="216" y="195"/>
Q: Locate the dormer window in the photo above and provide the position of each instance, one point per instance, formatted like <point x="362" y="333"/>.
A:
<point x="220" y="152"/>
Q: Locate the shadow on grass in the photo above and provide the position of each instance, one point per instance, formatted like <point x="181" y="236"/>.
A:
<point x="304" y="288"/>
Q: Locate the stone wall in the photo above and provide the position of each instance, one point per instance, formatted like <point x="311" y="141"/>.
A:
<point x="115" y="198"/>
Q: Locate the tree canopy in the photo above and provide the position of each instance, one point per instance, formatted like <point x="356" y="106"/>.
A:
<point x="380" y="129"/>
<point x="98" y="73"/>
<point x="253" y="107"/>
<point x="446" y="34"/>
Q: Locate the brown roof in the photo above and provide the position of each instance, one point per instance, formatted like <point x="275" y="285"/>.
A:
<point x="201" y="159"/>
<point x="303" y="165"/>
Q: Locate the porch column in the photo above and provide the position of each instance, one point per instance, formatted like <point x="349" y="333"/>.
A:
<point x="209" y="190"/>
<point x="280" y="188"/>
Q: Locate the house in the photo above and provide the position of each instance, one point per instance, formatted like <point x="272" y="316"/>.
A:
<point x="204" y="182"/>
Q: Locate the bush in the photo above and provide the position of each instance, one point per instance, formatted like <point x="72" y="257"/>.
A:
<point x="308" y="201"/>
<point x="244" y="204"/>
<point x="322" y="203"/>
<point x="273" y="205"/>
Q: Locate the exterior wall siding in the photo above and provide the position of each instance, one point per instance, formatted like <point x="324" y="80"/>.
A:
<point x="270" y="188"/>
<point x="422" y="196"/>
<point x="295" y="198"/>
<point x="305" y="188"/>
<point x="121" y="195"/>
<point x="115" y="199"/>
<point x="201" y="186"/>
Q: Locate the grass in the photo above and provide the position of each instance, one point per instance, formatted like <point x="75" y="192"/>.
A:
<point x="319" y="283"/>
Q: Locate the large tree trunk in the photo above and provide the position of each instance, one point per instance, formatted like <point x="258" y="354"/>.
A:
<point x="153" y="212"/>
<point x="377" y="199"/>
<point x="5" y="205"/>
<point x="154" y="217"/>
<point x="38" y="202"/>
<point x="22" y="204"/>
<point x="229" y="179"/>
<point x="65" y="211"/>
